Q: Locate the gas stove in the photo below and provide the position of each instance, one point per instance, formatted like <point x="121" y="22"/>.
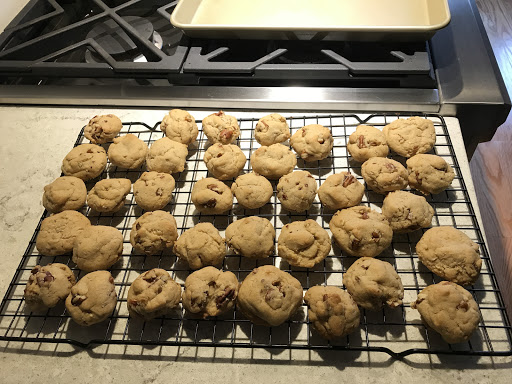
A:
<point x="126" y="53"/>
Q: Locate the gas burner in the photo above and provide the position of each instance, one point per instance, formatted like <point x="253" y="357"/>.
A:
<point x="116" y="42"/>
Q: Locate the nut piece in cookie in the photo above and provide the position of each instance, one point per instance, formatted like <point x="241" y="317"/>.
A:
<point x="312" y="142"/>
<point x="429" y="173"/>
<point x="98" y="247"/>
<point x="210" y="292"/>
<point x="224" y="161"/>
<point x="127" y="151"/>
<point x="269" y="296"/>
<point x="102" y="129"/>
<point x="221" y="128"/>
<point x="153" y="294"/>
<point x="166" y="156"/>
<point x="373" y="283"/>
<point x="341" y="190"/>
<point x="59" y="231"/>
<point x="48" y="285"/>
<point x="180" y="126"/>
<point x="252" y="191"/>
<point x="85" y="161"/>
<point x="448" y="309"/>
<point x="411" y="136"/>
<point x="296" y="191"/>
<point x="450" y="254"/>
<point x="201" y="246"/>
<point x="251" y="237"/>
<point x="367" y="142"/>
<point x="273" y="161"/>
<point x="407" y="212"/>
<point x="92" y="299"/>
<point x="153" y="232"/>
<point x="64" y="193"/>
<point x="332" y="311"/>
<point x="211" y="196"/>
<point x="272" y="129"/>
<point x="384" y="175"/>
<point x="153" y="190"/>
<point x="361" y="231"/>
<point x="108" y="195"/>
<point x="303" y="243"/>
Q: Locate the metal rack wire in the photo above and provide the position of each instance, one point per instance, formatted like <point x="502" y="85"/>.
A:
<point x="398" y="332"/>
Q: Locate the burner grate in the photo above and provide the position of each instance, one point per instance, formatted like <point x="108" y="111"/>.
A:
<point x="397" y="332"/>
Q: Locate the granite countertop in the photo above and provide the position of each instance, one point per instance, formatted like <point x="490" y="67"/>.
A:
<point x="34" y="142"/>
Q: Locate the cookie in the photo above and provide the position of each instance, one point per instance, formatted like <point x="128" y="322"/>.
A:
<point x="269" y="296"/>
<point x="210" y="292"/>
<point x="251" y="237"/>
<point x="271" y="129"/>
<point x="252" y="191"/>
<point x="367" y="142"/>
<point x="85" y="161"/>
<point x="221" y="128"/>
<point x="224" y="161"/>
<point x="407" y="212"/>
<point x="166" y="156"/>
<point x="108" y="195"/>
<point x="48" y="285"/>
<point x="332" y="311"/>
<point x="211" y="196"/>
<point x="361" y="231"/>
<point x="373" y="283"/>
<point x="429" y="173"/>
<point x="59" y="231"/>
<point x="448" y="309"/>
<point x="384" y="175"/>
<point x="153" y="232"/>
<point x="127" y="151"/>
<point x="93" y="299"/>
<point x="273" y="161"/>
<point x="64" y="193"/>
<point x="102" y="129"/>
<point x="411" y="136"/>
<point x="296" y="191"/>
<point x="201" y="246"/>
<point x="97" y="247"/>
<point x="312" y="142"/>
<point x="303" y="243"/>
<point x="341" y="190"/>
<point x="153" y="294"/>
<point x="153" y="190"/>
<point x="450" y="254"/>
<point x="180" y="126"/>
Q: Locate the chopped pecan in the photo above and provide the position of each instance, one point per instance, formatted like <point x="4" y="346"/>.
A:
<point x="285" y="197"/>
<point x="133" y="303"/>
<point x="325" y="297"/>
<point x="463" y="305"/>
<point x="303" y="132"/>
<point x="225" y="135"/>
<point x="188" y="119"/>
<point x="159" y="192"/>
<point x="111" y="280"/>
<point x="265" y="124"/>
<point x="35" y="270"/>
<point x="150" y="279"/>
<point x="214" y="188"/>
<point x="321" y="140"/>
<point x="220" y="113"/>
<point x="360" y="142"/>
<point x="348" y="179"/>
<point x="137" y="226"/>
<point x="219" y="155"/>
<point x="364" y="215"/>
<point x="212" y="284"/>
<point x="375" y="236"/>
<point x="391" y="167"/>
<point x="76" y="300"/>
<point x="211" y="203"/>
<point x="227" y="295"/>
<point x="356" y="243"/>
<point x="418" y="178"/>
<point x="90" y="151"/>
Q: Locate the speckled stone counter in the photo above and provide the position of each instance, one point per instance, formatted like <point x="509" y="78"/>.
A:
<point x="34" y="142"/>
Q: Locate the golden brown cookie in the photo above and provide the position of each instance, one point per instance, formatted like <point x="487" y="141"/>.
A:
<point x="109" y="195"/>
<point x="312" y="142"/>
<point x="127" y="151"/>
<point x="429" y="173"/>
<point x="102" y="129"/>
<point x="64" y="193"/>
<point x="221" y="128"/>
<point x="411" y="136"/>
<point x="296" y="191"/>
<point x="341" y="190"/>
<point x="407" y="212"/>
<point x="272" y="129"/>
<point x="384" y="175"/>
<point x="153" y="232"/>
<point x="251" y="237"/>
<point x="85" y="161"/>
<point x="211" y="196"/>
<point x="252" y="191"/>
<point x="153" y="190"/>
<point x="180" y="126"/>
<point x="97" y="247"/>
<point x="367" y="142"/>
<point x="224" y="161"/>
<point x="273" y="161"/>
<point x="166" y="156"/>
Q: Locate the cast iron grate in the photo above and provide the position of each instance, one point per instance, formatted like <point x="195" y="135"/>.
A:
<point x="397" y="332"/>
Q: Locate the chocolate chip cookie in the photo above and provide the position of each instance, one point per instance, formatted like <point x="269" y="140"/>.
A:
<point x="98" y="247"/>
<point x="273" y="161"/>
<point x="341" y="190"/>
<point x="312" y="142"/>
<point x="153" y="294"/>
<point x="180" y="126"/>
<point x="296" y="191"/>
<point x="153" y="232"/>
<point x="201" y="246"/>
<point x="153" y="190"/>
<point x="384" y="175"/>
<point x="269" y="296"/>
<point x="102" y="129"/>
<point x="367" y="142"/>
<point x="332" y="311"/>
<point x="211" y="196"/>
<point x="361" y="231"/>
<point x="448" y="309"/>
<point x="221" y="128"/>
<point x="167" y="156"/>
<point x="210" y="292"/>
<point x="451" y="254"/>
<point x="109" y="195"/>
<point x="224" y="161"/>
<point x="407" y="212"/>
<point x="127" y="151"/>
<point x="48" y="285"/>
<point x="85" y="161"/>
<point x="64" y="193"/>
<point x="411" y="136"/>
<point x="272" y="129"/>
<point x="373" y="283"/>
<point x="251" y="237"/>
<point x="429" y="173"/>
<point x="252" y="191"/>
<point x="93" y="299"/>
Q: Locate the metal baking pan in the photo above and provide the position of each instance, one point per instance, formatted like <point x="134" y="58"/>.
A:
<point x="370" y="20"/>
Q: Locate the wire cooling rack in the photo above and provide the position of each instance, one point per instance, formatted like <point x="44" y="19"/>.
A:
<point x="398" y="332"/>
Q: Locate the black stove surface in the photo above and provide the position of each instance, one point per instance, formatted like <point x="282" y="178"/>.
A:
<point x="100" y="41"/>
